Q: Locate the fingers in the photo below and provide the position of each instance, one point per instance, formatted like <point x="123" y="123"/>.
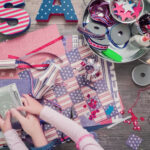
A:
<point x="17" y="115"/>
<point x="22" y="108"/>
<point x="7" y="118"/>
<point x="26" y="96"/>
<point x="24" y="101"/>
<point x="1" y="121"/>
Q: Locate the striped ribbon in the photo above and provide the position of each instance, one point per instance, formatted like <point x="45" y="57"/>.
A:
<point x="94" y="9"/>
<point x="45" y="81"/>
<point x="104" y="47"/>
<point x="97" y="46"/>
<point x="86" y="32"/>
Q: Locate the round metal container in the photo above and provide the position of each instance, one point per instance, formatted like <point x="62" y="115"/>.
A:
<point x="127" y="22"/>
<point x="129" y="53"/>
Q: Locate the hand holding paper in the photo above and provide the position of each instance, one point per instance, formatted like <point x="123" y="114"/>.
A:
<point x="30" y="105"/>
<point x="5" y="125"/>
<point x="31" y="126"/>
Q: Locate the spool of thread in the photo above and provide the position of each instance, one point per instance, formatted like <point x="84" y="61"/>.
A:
<point x="112" y="55"/>
<point x="140" y="41"/>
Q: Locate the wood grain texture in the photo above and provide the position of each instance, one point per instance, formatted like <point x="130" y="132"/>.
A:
<point x="115" y="138"/>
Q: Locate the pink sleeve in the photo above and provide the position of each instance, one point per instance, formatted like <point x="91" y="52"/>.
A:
<point x="13" y="140"/>
<point x="70" y="128"/>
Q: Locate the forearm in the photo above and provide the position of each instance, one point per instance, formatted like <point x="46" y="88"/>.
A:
<point x="69" y="127"/>
<point x="13" y="140"/>
<point x="39" y="139"/>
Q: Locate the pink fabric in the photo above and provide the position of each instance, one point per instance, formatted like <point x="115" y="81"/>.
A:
<point x="82" y="138"/>
<point x="62" y="123"/>
<point x="13" y="140"/>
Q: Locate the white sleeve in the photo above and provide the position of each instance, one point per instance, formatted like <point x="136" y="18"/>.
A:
<point x="13" y="140"/>
<point x="70" y="128"/>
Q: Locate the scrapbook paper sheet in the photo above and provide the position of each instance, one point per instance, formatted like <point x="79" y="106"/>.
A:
<point x="72" y="92"/>
<point x="29" y="42"/>
<point x="71" y="95"/>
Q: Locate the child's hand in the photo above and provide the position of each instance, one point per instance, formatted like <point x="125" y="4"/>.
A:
<point x="30" y="123"/>
<point x="30" y="105"/>
<point x="31" y="126"/>
<point x="5" y="125"/>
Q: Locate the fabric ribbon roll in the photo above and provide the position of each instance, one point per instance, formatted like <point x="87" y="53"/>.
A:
<point x="45" y="81"/>
<point x="96" y="46"/>
<point x="86" y="32"/>
<point x="99" y="11"/>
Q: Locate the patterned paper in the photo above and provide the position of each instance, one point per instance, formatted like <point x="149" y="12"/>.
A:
<point x="71" y="91"/>
<point x="18" y="14"/>
<point x="134" y="141"/>
<point x="71" y="95"/>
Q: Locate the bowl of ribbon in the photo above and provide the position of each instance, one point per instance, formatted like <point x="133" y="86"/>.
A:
<point x="106" y="36"/>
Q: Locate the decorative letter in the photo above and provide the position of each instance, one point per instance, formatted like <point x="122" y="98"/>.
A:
<point x="65" y="8"/>
<point x="22" y="17"/>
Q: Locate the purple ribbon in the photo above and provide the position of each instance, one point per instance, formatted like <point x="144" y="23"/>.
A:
<point x="100" y="7"/>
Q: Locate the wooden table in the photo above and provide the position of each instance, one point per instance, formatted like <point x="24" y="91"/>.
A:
<point x="115" y="138"/>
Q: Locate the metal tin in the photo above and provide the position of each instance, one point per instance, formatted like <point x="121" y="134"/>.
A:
<point x="129" y="53"/>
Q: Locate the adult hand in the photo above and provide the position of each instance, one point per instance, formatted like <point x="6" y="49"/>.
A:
<point x="31" y="126"/>
<point x="30" y="105"/>
<point x="5" y="125"/>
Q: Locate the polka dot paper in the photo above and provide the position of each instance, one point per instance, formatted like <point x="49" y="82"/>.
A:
<point x="134" y="141"/>
<point x="73" y="56"/>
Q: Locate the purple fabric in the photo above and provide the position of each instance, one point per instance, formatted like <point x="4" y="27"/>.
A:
<point x="23" y="85"/>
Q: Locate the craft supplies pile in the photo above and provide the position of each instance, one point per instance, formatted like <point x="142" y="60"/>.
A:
<point x="117" y="31"/>
<point x="71" y="80"/>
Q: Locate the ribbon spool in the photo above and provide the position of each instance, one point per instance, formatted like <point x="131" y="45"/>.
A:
<point x="93" y="30"/>
<point x="104" y="42"/>
<point x="120" y="33"/>
<point x="144" y="23"/>
<point x="141" y="75"/>
<point x="99" y="11"/>
<point x="96" y="46"/>
<point x="100" y="44"/>
<point x="96" y="28"/>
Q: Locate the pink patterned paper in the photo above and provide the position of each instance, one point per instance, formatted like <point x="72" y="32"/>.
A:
<point x="27" y="43"/>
